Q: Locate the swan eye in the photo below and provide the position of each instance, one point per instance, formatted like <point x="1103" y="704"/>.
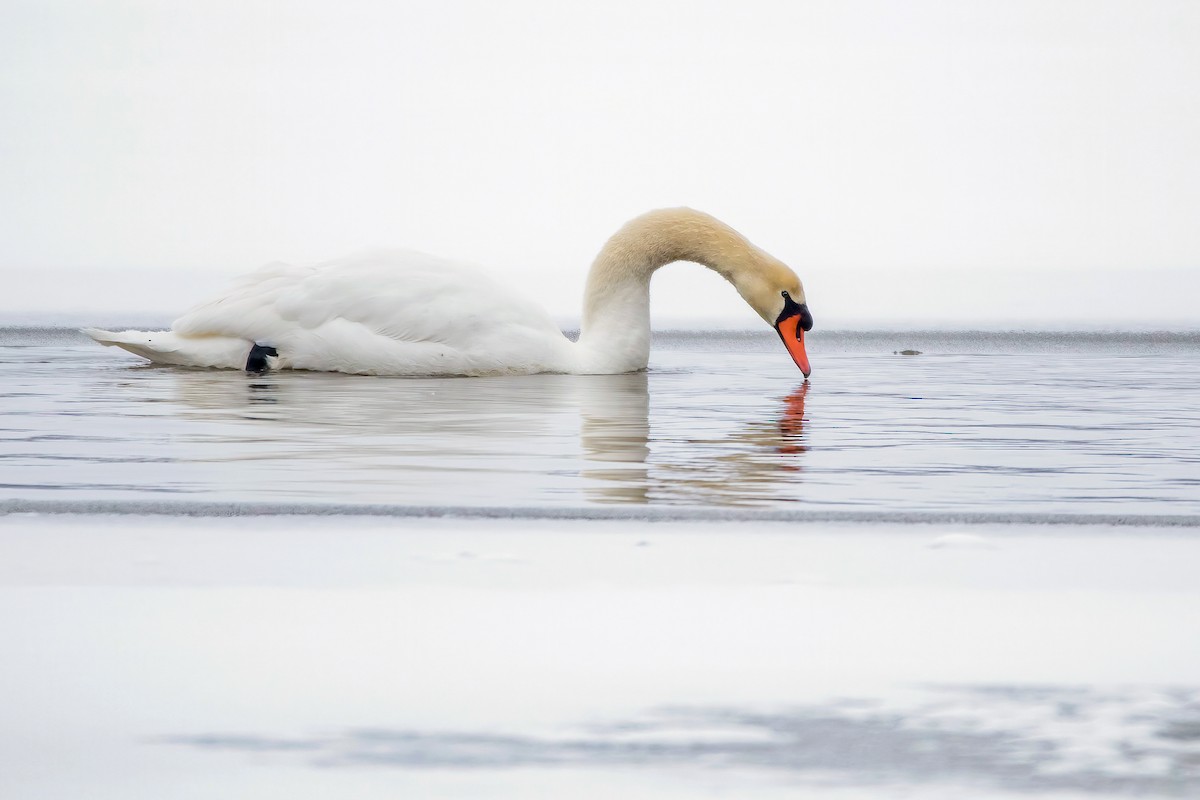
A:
<point x="786" y="296"/>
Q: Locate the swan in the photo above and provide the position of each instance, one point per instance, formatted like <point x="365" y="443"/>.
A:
<point x="407" y="313"/>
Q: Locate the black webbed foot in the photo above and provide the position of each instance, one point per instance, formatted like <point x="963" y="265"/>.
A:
<point x="256" y="362"/>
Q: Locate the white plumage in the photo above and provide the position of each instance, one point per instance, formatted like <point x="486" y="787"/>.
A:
<point x="407" y="313"/>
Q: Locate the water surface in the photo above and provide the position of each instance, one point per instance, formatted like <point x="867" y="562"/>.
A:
<point x="1037" y="424"/>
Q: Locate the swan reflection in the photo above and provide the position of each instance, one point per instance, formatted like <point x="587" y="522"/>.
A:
<point x="615" y="438"/>
<point x="503" y="440"/>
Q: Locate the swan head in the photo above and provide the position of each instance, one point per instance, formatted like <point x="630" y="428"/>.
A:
<point x="777" y="294"/>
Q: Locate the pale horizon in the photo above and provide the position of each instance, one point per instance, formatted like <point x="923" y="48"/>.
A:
<point x="935" y="164"/>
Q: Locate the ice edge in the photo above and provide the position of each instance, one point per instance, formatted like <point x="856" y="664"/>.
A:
<point x="656" y="514"/>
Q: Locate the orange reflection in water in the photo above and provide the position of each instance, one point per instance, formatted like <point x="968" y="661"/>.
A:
<point x="791" y="424"/>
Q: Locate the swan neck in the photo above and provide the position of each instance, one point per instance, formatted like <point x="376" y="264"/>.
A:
<point x="615" y="331"/>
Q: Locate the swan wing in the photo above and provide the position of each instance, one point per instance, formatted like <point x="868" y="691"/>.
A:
<point x="384" y="312"/>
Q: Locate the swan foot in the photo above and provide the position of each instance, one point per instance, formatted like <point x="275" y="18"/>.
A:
<point x="256" y="362"/>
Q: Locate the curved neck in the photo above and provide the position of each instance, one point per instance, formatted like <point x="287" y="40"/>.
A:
<point x="615" y="333"/>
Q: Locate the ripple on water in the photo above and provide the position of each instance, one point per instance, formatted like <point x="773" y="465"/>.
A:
<point x="1064" y="424"/>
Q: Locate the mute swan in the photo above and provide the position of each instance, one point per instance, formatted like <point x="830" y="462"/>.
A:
<point x="405" y="313"/>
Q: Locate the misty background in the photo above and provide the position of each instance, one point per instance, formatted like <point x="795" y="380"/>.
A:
<point x="923" y="163"/>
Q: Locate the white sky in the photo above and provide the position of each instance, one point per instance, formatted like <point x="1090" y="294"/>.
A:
<point x="926" y="162"/>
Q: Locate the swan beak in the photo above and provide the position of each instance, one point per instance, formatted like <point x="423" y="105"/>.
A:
<point x="791" y="327"/>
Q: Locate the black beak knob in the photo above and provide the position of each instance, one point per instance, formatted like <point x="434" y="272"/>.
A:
<point x="806" y="320"/>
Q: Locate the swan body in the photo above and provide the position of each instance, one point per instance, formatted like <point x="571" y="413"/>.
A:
<point x="406" y="313"/>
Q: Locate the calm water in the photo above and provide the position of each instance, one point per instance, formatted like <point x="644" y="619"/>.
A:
<point x="1037" y="424"/>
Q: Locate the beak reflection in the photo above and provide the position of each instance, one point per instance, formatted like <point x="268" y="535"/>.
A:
<point x="791" y="423"/>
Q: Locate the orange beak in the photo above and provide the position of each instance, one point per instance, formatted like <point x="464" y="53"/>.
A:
<point x="792" y="335"/>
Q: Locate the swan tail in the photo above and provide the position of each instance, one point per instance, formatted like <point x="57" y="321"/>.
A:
<point x="168" y="347"/>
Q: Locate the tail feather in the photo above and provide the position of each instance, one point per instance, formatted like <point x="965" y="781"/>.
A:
<point x="168" y="347"/>
<point x="154" y="345"/>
